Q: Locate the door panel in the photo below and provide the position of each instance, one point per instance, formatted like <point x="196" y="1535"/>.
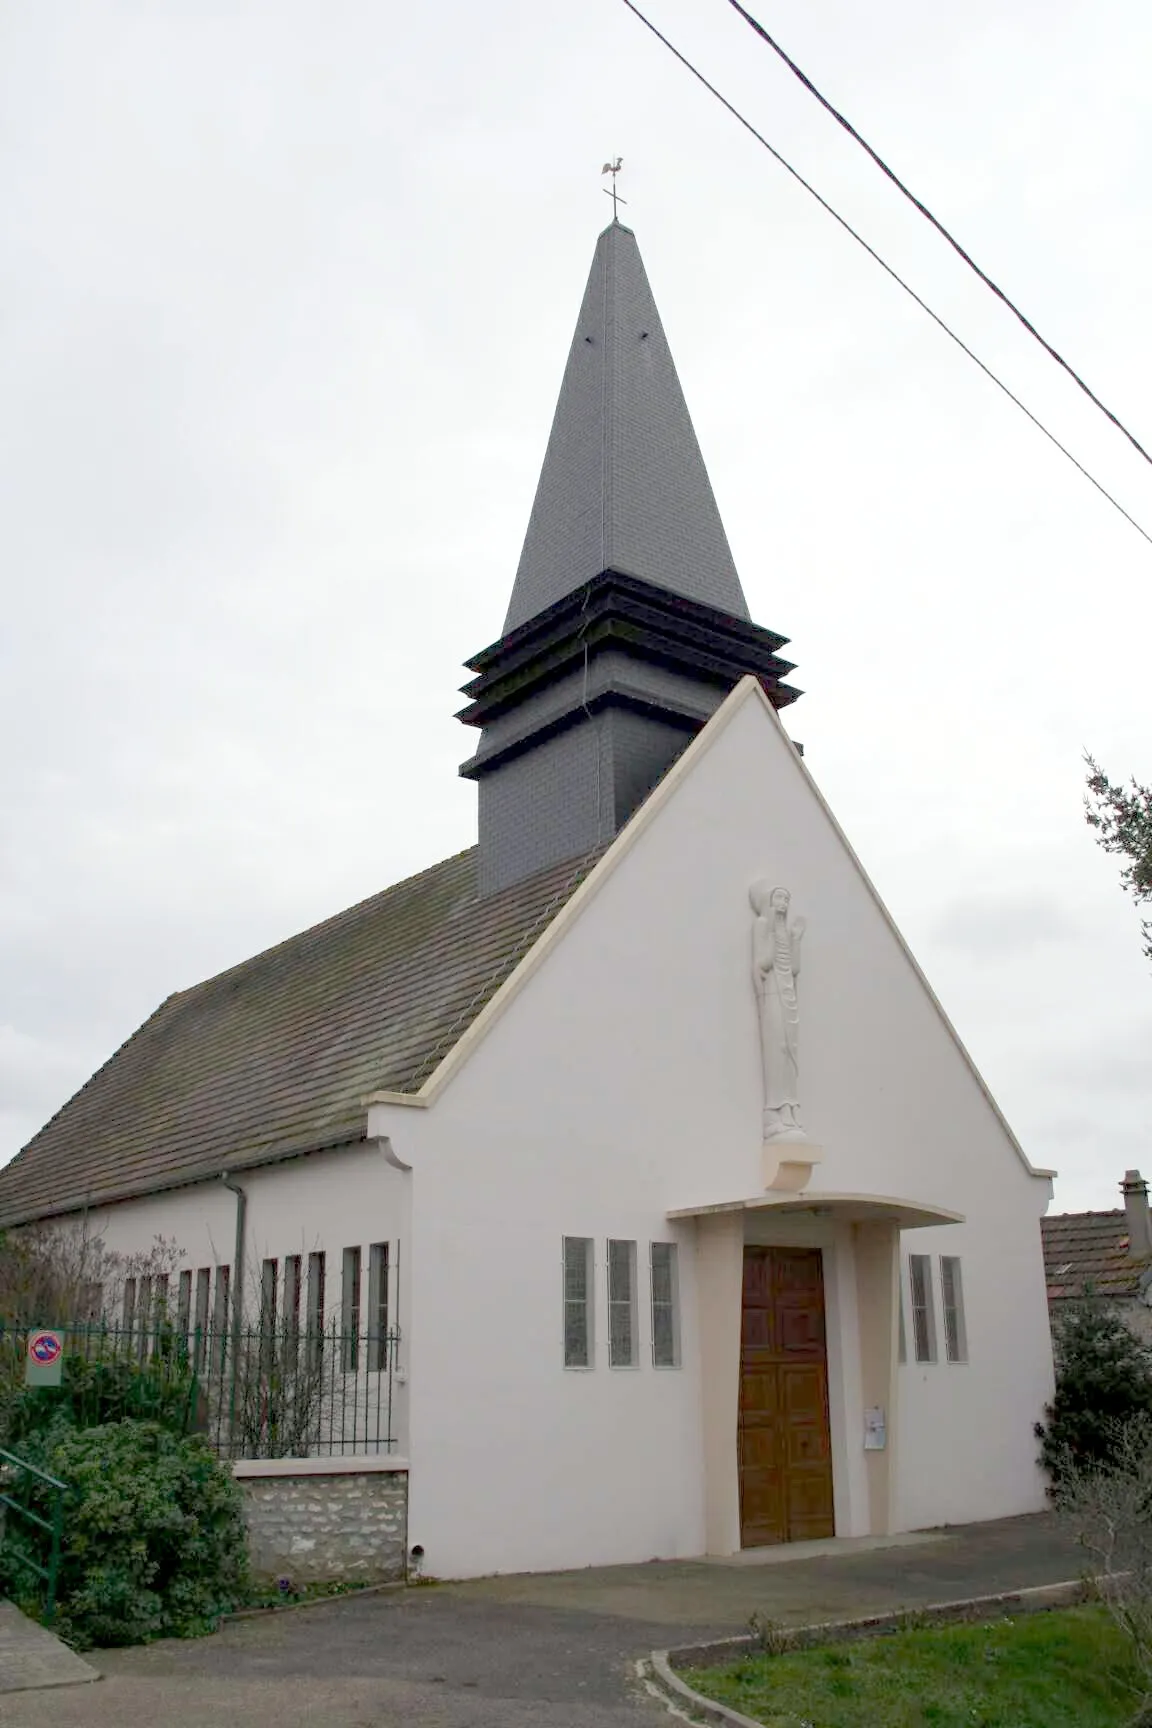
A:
<point x="784" y="1446"/>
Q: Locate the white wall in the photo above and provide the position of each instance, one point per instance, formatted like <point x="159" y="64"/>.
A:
<point x="324" y="1203"/>
<point x="624" y="1081"/>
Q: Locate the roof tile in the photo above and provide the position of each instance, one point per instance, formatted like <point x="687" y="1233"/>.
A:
<point x="1089" y="1248"/>
<point x="276" y="1054"/>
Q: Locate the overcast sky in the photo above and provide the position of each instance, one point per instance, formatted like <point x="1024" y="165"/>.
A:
<point x="286" y="292"/>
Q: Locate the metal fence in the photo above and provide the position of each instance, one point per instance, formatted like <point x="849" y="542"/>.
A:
<point x="275" y="1391"/>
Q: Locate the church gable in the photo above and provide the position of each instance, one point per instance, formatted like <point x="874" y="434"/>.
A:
<point x="645" y="984"/>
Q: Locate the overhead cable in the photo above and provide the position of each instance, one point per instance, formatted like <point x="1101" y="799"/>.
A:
<point x="841" y="120"/>
<point x="887" y="268"/>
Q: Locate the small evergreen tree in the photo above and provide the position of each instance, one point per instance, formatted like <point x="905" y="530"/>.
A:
<point x="1103" y="1383"/>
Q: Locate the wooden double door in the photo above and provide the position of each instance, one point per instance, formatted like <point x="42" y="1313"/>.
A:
<point x="784" y="1443"/>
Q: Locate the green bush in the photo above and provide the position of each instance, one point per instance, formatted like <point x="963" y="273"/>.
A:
<point x="154" y="1535"/>
<point x="1103" y="1384"/>
<point x="101" y="1383"/>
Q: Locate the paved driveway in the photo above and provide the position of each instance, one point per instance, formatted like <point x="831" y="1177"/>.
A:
<point x="508" y="1652"/>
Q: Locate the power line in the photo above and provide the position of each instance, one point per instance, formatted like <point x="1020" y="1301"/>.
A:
<point x="887" y="268"/>
<point x="841" y="120"/>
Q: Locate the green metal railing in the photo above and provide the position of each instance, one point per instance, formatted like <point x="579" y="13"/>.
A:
<point x="53" y="1524"/>
<point x="275" y="1391"/>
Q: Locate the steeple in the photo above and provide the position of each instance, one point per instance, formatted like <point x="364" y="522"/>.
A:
<point x="627" y="625"/>
<point x="623" y="486"/>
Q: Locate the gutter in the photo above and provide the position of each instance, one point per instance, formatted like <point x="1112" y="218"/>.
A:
<point x="172" y="1183"/>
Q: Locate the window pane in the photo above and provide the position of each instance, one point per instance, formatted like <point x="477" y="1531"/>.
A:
<point x="665" y="1306"/>
<point x="268" y="1275"/>
<point x="184" y="1305"/>
<point x="923" y="1307"/>
<point x="577" y="1302"/>
<point x="378" y="1307"/>
<point x="203" y="1289"/>
<point x="622" y="1304"/>
<point x="220" y="1316"/>
<point x="292" y="1295"/>
<point x="952" y="1290"/>
<point x="350" y="1311"/>
<point x="317" y="1279"/>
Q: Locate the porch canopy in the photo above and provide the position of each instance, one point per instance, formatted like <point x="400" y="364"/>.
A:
<point x="836" y="1208"/>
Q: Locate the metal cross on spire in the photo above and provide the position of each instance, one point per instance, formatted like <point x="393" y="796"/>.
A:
<point x="613" y="168"/>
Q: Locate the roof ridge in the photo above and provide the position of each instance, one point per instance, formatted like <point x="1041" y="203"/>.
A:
<point x="1059" y="1217"/>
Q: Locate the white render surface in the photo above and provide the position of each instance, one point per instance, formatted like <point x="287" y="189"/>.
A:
<point x="615" y="1079"/>
<point x="622" y="1079"/>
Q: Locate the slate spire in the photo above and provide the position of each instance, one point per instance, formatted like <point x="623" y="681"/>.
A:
<point x="627" y="626"/>
<point x="623" y="486"/>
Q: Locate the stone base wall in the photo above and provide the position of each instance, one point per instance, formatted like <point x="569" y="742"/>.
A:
<point x="350" y="1527"/>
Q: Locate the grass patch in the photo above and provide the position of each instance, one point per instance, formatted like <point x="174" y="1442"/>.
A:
<point x="1068" y="1668"/>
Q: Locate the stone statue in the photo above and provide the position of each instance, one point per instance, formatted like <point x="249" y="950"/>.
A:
<point x="775" y="966"/>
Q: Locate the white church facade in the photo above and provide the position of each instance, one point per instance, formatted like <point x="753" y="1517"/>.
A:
<point x="637" y="1125"/>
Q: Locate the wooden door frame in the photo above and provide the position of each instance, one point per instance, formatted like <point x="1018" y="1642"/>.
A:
<point x="766" y="1265"/>
<point x="862" y="1366"/>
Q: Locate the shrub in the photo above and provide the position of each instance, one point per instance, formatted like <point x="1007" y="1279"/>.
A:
<point x="1103" y="1383"/>
<point x="154" y="1533"/>
<point x="1108" y="1507"/>
<point x="106" y="1380"/>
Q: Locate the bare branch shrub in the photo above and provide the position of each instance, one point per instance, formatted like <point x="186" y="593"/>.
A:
<point x="1109" y="1510"/>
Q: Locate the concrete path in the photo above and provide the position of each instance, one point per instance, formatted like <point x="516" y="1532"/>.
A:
<point x="512" y="1652"/>
<point x="30" y="1656"/>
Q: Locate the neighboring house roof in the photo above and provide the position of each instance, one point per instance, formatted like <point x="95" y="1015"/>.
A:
<point x="623" y="486"/>
<point x="276" y="1055"/>
<point x="1090" y="1248"/>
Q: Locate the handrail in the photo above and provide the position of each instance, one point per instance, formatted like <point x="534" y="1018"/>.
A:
<point x="54" y="1526"/>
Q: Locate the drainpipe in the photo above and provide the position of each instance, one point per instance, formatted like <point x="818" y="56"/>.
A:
<point x="237" y="1291"/>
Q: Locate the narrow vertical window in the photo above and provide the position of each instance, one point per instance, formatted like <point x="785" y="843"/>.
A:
<point x="292" y="1296"/>
<point x="923" y="1307"/>
<point x="203" y="1303"/>
<point x="220" y="1316"/>
<point x="223" y="1282"/>
<point x="903" y="1341"/>
<point x="161" y="1300"/>
<point x="952" y="1290"/>
<point x="269" y="1272"/>
<point x="665" y="1306"/>
<point x="377" y="1307"/>
<point x="350" y="1310"/>
<point x="578" y="1316"/>
<point x="317" y="1280"/>
<point x="622" y="1352"/>
<point x="184" y="1305"/>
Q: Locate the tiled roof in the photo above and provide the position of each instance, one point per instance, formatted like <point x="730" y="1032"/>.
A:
<point x="275" y="1055"/>
<point x="1089" y="1248"/>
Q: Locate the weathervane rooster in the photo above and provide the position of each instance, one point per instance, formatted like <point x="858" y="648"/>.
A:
<point x="614" y="168"/>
